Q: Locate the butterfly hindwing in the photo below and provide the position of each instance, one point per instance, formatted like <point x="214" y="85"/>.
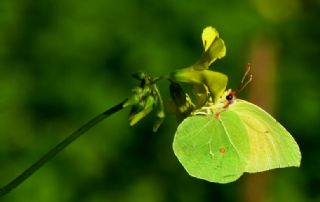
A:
<point x="271" y="145"/>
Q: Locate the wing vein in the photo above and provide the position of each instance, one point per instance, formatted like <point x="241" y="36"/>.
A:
<point x="228" y="135"/>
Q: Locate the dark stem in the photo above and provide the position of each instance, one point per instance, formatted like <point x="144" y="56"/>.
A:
<point x="59" y="147"/>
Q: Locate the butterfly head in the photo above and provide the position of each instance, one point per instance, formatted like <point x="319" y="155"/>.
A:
<point x="227" y="99"/>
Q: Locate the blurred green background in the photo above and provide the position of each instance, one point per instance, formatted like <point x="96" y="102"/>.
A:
<point x="64" y="61"/>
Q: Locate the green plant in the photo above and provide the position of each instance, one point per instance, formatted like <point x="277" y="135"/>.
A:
<point x="219" y="137"/>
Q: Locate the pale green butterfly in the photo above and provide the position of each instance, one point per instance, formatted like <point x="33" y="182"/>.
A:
<point x="229" y="137"/>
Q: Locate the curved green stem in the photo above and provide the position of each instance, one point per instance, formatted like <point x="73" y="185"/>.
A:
<point x="59" y="147"/>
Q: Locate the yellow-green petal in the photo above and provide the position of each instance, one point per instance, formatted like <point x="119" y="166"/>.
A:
<point x="216" y="82"/>
<point x="209" y="34"/>
<point x="214" y="48"/>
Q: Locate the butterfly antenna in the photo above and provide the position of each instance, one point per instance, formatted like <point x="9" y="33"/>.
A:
<point x="247" y="76"/>
<point x="248" y="68"/>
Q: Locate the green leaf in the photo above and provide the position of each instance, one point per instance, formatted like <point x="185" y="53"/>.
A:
<point x="160" y="114"/>
<point x="181" y="99"/>
<point x="145" y="98"/>
<point x="142" y="110"/>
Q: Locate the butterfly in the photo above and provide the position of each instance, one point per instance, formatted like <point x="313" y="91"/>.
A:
<point x="222" y="141"/>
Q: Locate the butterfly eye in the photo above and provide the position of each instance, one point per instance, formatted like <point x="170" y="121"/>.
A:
<point x="229" y="97"/>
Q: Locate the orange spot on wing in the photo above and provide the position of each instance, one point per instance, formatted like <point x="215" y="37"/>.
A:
<point x="222" y="150"/>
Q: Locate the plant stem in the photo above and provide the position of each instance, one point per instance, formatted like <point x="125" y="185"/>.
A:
<point x="59" y="147"/>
